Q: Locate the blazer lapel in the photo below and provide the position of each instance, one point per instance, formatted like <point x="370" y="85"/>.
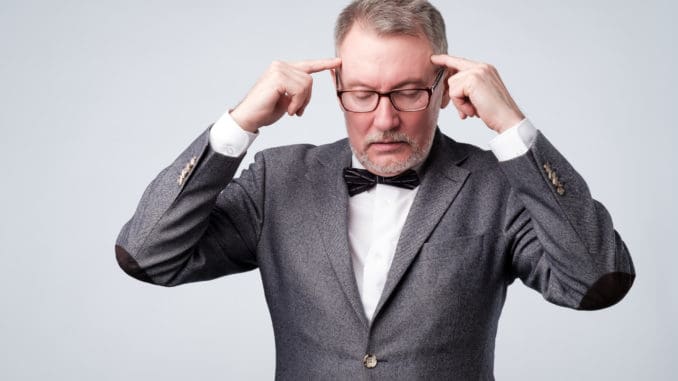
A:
<point x="330" y="205"/>
<point x="441" y="182"/>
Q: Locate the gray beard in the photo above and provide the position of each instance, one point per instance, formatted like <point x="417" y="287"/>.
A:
<point x="419" y="153"/>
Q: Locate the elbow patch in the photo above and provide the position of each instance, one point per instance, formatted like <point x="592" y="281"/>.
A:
<point x="130" y="265"/>
<point x="607" y="291"/>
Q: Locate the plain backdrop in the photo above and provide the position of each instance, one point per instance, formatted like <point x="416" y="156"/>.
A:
<point x="96" y="97"/>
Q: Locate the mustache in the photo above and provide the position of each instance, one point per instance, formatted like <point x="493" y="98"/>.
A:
<point x="388" y="137"/>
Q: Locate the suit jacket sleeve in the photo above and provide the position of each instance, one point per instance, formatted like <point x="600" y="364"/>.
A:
<point x="179" y="234"/>
<point x="562" y="241"/>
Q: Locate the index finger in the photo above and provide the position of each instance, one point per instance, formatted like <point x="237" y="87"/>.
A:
<point x="452" y="62"/>
<point x="314" y="66"/>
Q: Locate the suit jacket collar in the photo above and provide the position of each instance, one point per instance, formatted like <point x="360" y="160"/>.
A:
<point x="441" y="181"/>
<point x="330" y="206"/>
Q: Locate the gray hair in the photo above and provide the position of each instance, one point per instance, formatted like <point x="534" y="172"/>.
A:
<point x="393" y="17"/>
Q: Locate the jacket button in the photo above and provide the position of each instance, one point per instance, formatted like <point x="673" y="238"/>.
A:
<point x="370" y="361"/>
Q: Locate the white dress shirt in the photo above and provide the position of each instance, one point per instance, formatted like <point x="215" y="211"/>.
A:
<point x="375" y="217"/>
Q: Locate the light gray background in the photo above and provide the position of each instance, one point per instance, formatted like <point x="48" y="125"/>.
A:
<point x="97" y="97"/>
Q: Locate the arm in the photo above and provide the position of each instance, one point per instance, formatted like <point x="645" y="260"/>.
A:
<point x="194" y="222"/>
<point x="177" y="235"/>
<point x="562" y="242"/>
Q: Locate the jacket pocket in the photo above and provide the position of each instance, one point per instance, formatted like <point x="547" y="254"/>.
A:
<point x="458" y="248"/>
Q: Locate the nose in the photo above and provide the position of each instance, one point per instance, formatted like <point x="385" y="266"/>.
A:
<point x="385" y="115"/>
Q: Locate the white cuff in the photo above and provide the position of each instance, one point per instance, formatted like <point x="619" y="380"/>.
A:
<point x="515" y="141"/>
<point x="228" y="138"/>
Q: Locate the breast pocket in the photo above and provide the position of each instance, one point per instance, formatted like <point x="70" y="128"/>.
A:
<point x="455" y="250"/>
<point x="457" y="266"/>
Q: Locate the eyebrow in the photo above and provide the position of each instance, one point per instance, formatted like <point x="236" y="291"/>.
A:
<point x="408" y="81"/>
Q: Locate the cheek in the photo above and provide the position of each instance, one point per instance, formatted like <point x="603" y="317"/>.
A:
<point x="357" y="127"/>
<point x="420" y="127"/>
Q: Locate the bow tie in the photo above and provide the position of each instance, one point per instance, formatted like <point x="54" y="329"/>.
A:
<point x="360" y="180"/>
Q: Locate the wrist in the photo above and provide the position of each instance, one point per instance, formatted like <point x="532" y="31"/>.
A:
<point x="509" y="121"/>
<point x="243" y="122"/>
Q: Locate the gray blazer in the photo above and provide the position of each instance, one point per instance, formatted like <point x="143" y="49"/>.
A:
<point x="476" y="224"/>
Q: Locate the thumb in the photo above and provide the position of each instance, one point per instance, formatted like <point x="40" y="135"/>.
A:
<point x="464" y="107"/>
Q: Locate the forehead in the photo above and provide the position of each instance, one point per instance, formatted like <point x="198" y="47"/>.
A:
<point x="379" y="60"/>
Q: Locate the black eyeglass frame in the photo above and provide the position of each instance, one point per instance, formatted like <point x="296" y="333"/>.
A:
<point x="389" y="94"/>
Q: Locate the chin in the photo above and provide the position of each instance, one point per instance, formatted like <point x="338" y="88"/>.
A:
<point x="391" y="166"/>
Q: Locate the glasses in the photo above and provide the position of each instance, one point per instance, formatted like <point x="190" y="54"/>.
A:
<point x="402" y="100"/>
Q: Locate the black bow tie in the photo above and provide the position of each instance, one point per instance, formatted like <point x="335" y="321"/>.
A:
<point x="360" y="180"/>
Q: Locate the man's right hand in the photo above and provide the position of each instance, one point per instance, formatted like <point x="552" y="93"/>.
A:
<point x="283" y="88"/>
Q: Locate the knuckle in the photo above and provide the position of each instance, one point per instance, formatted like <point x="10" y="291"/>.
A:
<point x="483" y="67"/>
<point x="277" y="66"/>
<point x="476" y="76"/>
<point x="487" y="68"/>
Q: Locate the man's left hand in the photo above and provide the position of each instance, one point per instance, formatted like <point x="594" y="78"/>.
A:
<point x="476" y="89"/>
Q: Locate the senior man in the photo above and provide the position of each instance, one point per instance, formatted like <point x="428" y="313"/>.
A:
<point x="385" y="255"/>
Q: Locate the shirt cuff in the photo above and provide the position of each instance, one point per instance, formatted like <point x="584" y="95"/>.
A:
<point x="514" y="142"/>
<point x="228" y="138"/>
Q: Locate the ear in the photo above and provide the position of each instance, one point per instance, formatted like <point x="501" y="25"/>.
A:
<point x="333" y="74"/>
<point x="446" y="92"/>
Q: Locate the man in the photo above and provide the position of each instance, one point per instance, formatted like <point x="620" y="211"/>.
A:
<point x="385" y="255"/>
